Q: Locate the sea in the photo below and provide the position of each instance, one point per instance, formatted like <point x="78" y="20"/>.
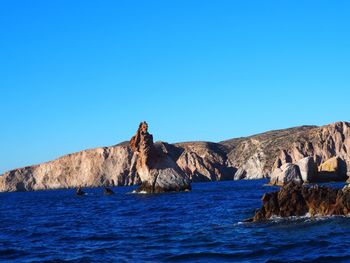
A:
<point x="204" y="225"/>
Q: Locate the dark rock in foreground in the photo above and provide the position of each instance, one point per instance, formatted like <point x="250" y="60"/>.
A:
<point x="295" y="199"/>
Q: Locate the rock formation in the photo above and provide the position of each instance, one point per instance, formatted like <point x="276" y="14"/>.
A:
<point x="333" y="169"/>
<point x="297" y="200"/>
<point x="261" y="154"/>
<point x="157" y="170"/>
<point x="286" y="173"/>
<point x="204" y="161"/>
<point x="308" y="169"/>
<point x="252" y="157"/>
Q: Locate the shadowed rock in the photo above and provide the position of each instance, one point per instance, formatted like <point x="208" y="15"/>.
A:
<point x="308" y="169"/>
<point x="157" y="170"/>
<point x="79" y="191"/>
<point x="286" y="173"/>
<point x="333" y="169"/>
<point x="108" y="191"/>
<point x="295" y="199"/>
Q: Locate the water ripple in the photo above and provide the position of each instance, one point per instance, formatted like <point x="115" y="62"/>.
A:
<point x="200" y="226"/>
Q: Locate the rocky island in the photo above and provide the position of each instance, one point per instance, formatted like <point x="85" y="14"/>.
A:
<point x="301" y="154"/>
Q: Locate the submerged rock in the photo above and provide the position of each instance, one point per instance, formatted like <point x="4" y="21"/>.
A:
<point x="157" y="170"/>
<point x="295" y="199"/>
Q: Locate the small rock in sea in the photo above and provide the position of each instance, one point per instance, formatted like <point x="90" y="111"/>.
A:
<point x="79" y="191"/>
<point x="108" y="191"/>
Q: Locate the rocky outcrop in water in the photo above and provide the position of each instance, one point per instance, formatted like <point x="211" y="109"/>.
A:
<point x="108" y="191"/>
<point x="252" y="157"/>
<point x="297" y="200"/>
<point x="157" y="170"/>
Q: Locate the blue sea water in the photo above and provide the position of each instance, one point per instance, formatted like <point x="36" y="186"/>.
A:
<point x="204" y="225"/>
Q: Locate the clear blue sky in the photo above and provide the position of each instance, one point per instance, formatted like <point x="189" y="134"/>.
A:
<point x="82" y="74"/>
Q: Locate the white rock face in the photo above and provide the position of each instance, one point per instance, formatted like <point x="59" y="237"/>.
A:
<point x="308" y="169"/>
<point x="91" y="168"/>
<point x="240" y="174"/>
<point x="286" y="173"/>
<point x="254" y="167"/>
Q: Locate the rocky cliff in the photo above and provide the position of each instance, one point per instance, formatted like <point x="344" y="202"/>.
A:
<point x="242" y="158"/>
<point x="259" y="155"/>
<point x="95" y="167"/>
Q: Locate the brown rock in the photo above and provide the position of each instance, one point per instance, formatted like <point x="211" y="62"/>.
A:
<point x="298" y="200"/>
<point x="142" y="144"/>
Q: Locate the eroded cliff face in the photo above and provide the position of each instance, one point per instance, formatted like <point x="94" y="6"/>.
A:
<point x="243" y="158"/>
<point x="91" y="168"/>
<point x="321" y="143"/>
<point x="261" y="154"/>
<point x="204" y="161"/>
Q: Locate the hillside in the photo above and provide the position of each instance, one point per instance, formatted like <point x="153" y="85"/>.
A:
<point x="251" y="157"/>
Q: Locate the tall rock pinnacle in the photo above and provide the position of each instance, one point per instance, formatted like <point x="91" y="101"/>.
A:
<point x="157" y="170"/>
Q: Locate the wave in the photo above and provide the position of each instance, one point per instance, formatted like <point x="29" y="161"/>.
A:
<point x="305" y="218"/>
